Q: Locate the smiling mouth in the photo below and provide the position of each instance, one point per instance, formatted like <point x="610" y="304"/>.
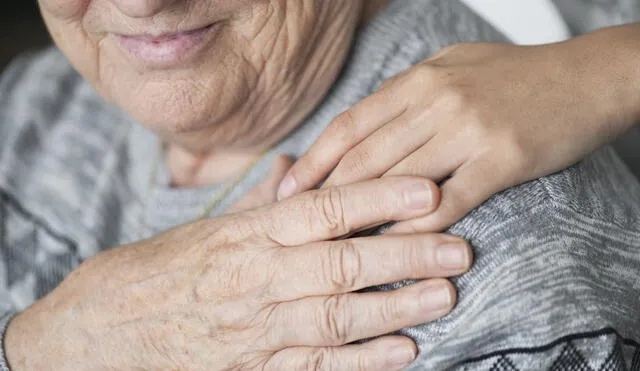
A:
<point x="166" y="50"/>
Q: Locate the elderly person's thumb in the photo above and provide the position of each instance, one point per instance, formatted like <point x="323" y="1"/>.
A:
<point x="265" y="193"/>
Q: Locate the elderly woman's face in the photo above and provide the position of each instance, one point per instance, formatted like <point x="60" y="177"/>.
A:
<point x="207" y="73"/>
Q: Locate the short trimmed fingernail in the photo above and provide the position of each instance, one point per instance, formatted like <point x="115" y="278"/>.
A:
<point x="435" y="299"/>
<point x="453" y="256"/>
<point x="287" y="187"/>
<point x="418" y="196"/>
<point x="400" y="357"/>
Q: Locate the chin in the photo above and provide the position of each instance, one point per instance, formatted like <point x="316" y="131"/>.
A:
<point x="175" y="106"/>
<point x="171" y="118"/>
<point x="196" y="128"/>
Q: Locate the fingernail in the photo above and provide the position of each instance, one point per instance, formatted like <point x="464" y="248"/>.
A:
<point x="400" y="356"/>
<point x="287" y="187"/>
<point x="418" y="195"/>
<point x="435" y="299"/>
<point x="453" y="256"/>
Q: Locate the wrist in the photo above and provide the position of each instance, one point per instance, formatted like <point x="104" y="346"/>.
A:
<point x="607" y="63"/>
<point x="28" y="344"/>
<point x="13" y="342"/>
<point x="16" y="345"/>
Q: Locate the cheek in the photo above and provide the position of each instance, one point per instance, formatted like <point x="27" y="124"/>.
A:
<point x="64" y="21"/>
<point x="65" y="9"/>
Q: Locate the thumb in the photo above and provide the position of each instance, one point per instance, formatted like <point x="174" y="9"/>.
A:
<point x="265" y="192"/>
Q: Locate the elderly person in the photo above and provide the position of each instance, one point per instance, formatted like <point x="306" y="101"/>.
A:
<point x="111" y="260"/>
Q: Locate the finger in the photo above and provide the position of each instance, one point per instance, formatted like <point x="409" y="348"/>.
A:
<point x="334" y="212"/>
<point x="383" y="149"/>
<point x="389" y="353"/>
<point x="349" y="265"/>
<point x="467" y="189"/>
<point x="341" y="319"/>
<point x="346" y="131"/>
<point x="265" y="193"/>
<point x="436" y="160"/>
<point x="410" y="145"/>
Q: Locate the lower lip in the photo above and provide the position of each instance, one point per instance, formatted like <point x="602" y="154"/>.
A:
<point x="166" y="51"/>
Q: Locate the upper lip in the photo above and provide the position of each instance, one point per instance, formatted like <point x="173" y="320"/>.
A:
<point x="163" y="35"/>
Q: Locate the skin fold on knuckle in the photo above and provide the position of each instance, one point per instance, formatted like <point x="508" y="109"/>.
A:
<point x="329" y="210"/>
<point x="391" y="311"/>
<point x="343" y="267"/>
<point x="319" y="360"/>
<point x="415" y="254"/>
<point x="333" y="320"/>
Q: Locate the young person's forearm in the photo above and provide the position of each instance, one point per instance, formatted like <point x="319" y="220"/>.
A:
<point x="607" y="61"/>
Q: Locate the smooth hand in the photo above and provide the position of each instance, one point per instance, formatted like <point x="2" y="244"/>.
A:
<point x="478" y="118"/>
<point x="268" y="289"/>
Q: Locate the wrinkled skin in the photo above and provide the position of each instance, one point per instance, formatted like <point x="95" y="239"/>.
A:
<point x="268" y="289"/>
<point x="267" y="67"/>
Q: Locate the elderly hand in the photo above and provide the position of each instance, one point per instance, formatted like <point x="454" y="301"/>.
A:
<point x="478" y="117"/>
<point x="269" y="289"/>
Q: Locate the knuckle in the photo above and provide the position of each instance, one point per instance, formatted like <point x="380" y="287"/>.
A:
<point x="329" y="207"/>
<point x="412" y="252"/>
<point x="391" y="310"/>
<point x="319" y="360"/>
<point x="334" y="324"/>
<point x="453" y="99"/>
<point x="364" y="362"/>
<point x="425" y="75"/>
<point x="345" y="266"/>
<point x="412" y="166"/>
<point x="477" y="133"/>
<point x="520" y="161"/>
<point x="355" y="162"/>
<point x="343" y="128"/>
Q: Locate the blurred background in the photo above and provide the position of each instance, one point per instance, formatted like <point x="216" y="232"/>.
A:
<point x="21" y="29"/>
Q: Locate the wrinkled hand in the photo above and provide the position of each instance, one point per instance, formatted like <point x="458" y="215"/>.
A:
<point x="269" y="289"/>
<point x="477" y="117"/>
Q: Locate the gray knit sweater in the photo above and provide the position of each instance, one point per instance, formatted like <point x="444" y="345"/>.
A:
<point x="556" y="282"/>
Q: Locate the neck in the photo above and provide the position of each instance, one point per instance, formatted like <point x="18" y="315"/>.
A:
<point x="196" y="170"/>
<point x="199" y="169"/>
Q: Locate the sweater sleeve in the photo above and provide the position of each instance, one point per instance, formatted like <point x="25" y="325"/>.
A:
<point x="4" y="322"/>
<point x="554" y="285"/>
<point x="35" y="253"/>
<point x="585" y="16"/>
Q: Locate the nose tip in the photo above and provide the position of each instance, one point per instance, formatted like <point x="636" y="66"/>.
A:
<point x="142" y="8"/>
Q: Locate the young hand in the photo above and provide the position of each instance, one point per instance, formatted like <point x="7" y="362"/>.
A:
<point x="478" y="118"/>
